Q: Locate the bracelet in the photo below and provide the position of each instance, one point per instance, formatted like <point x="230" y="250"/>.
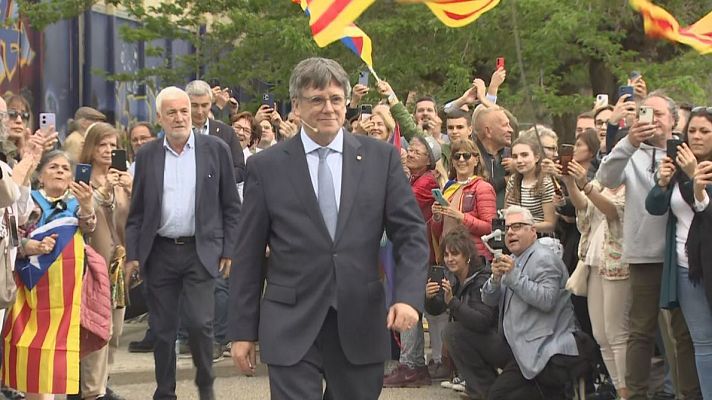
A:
<point x="87" y="216"/>
<point x="581" y="188"/>
<point x="589" y="190"/>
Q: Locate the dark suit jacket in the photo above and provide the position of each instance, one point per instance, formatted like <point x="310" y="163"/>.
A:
<point x="217" y="205"/>
<point x="305" y="266"/>
<point x="226" y="133"/>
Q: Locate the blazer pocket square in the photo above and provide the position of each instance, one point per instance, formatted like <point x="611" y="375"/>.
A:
<point x="280" y="294"/>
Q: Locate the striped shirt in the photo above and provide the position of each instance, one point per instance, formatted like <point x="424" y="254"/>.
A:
<point x="532" y="200"/>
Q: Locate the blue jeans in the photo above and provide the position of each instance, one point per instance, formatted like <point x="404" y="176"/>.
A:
<point x="698" y="316"/>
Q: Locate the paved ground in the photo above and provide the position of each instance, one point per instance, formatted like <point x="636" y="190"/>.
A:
<point x="132" y="377"/>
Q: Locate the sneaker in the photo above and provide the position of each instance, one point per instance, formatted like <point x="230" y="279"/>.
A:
<point x="459" y="387"/>
<point x="11" y="394"/>
<point x="183" y="350"/>
<point x="438" y="371"/>
<point x="408" y="377"/>
<point x="661" y="395"/>
<point x="449" y="384"/>
<point x="141" y="346"/>
<point x="227" y="350"/>
<point x="217" y="352"/>
<point x="111" y="395"/>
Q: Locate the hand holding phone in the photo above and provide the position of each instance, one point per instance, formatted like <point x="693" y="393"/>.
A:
<point x="47" y="123"/>
<point x="363" y="77"/>
<point x="566" y="154"/>
<point x="438" y="195"/>
<point x="83" y="173"/>
<point x="268" y="99"/>
<point x="500" y="62"/>
<point x="365" y="111"/>
<point x="623" y="90"/>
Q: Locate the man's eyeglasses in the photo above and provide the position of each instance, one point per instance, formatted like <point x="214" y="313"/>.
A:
<point x="239" y="129"/>
<point x="516" y="227"/>
<point x="464" y="155"/>
<point x="320" y="102"/>
<point x="13" y="114"/>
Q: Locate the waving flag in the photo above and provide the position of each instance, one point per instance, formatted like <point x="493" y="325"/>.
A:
<point x="329" y="18"/>
<point x="41" y="332"/>
<point x="457" y="13"/>
<point x="659" y="23"/>
<point x="351" y="35"/>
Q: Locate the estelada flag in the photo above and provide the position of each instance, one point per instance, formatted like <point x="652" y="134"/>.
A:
<point x="659" y="23"/>
<point x="351" y="36"/>
<point x="457" y="13"/>
<point x="41" y="332"/>
<point x="329" y="18"/>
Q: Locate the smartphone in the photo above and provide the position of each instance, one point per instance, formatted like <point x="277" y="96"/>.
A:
<point x="566" y="154"/>
<point x="436" y="273"/>
<point x="672" y="148"/>
<point x="365" y="111"/>
<point x="118" y="159"/>
<point x="47" y="120"/>
<point x="82" y="173"/>
<point x="498" y="243"/>
<point x="623" y="90"/>
<point x="500" y="62"/>
<point x="601" y="100"/>
<point x="363" y="77"/>
<point x="645" y="115"/>
<point x="438" y="195"/>
<point x="268" y="99"/>
<point x="14" y="234"/>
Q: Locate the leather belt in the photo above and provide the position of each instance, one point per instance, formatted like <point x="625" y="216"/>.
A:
<point x="179" y="240"/>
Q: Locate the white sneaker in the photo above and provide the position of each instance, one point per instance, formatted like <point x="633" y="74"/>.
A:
<point x="459" y="387"/>
<point x="451" y="384"/>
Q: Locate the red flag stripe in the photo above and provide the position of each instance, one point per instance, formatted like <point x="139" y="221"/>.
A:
<point x="34" y="351"/>
<point x="20" y="322"/>
<point x="68" y="280"/>
<point x="329" y="15"/>
<point x="459" y="17"/>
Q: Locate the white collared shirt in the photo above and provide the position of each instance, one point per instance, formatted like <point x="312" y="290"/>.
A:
<point x="334" y="160"/>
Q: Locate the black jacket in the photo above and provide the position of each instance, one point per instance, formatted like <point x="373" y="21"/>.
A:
<point x="466" y="306"/>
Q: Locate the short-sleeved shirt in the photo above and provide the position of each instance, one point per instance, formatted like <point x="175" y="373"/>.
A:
<point x="531" y="199"/>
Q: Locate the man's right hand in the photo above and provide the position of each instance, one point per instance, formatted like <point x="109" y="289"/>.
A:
<point x="624" y="108"/>
<point x="666" y="171"/>
<point x="244" y="357"/>
<point x="641" y="132"/>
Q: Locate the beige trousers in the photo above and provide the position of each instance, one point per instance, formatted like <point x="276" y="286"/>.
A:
<point x="94" y="367"/>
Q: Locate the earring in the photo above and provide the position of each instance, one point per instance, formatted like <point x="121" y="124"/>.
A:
<point x="468" y="260"/>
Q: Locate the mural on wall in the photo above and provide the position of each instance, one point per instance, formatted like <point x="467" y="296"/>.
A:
<point x="16" y="50"/>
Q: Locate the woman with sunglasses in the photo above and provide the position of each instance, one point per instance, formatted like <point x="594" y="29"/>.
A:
<point x="683" y="193"/>
<point x="472" y="200"/>
<point x="19" y="118"/>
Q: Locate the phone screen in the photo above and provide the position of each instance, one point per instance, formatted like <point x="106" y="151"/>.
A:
<point x="566" y="154"/>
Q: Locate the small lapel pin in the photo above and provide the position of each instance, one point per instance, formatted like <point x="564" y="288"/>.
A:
<point x="210" y="175"/>
<point x="358" y="157"/>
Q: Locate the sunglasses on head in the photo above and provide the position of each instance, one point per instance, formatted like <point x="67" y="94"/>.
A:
<point x="13" y="114"/>
<point x="702" y="109"/>
<point x="464" y="155"/>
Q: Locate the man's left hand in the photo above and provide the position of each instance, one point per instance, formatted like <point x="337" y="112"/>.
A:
<point x="224" y="268"/>
<point x="401" y="317"/>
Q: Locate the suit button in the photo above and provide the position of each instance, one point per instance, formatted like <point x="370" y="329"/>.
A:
<point x="334" y="255"/>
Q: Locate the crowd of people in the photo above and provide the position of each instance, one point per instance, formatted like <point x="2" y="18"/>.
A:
<point x="338" y="236"/>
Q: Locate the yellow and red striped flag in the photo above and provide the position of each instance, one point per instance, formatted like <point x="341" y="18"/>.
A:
<point x="659" y="23"/>
<point x="329" y="18"/>
<point x="41" y="332"/>
<point x="457" y="13"/>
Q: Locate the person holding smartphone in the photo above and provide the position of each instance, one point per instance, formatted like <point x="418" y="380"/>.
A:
<point x="681" y="195"/>
<point x="111" y="194"/>
<point x="470" y="320"/>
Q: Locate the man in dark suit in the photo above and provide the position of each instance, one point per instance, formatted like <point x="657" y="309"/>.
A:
<point x="201" y="100"/>
<point x="182" y="223"/>
<point x="322" y="200"/>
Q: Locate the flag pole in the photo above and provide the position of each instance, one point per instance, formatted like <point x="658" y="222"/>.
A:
<point x="370" y="68"/>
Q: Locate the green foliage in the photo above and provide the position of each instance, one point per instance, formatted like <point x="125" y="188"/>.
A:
<point x="570" y="49"/>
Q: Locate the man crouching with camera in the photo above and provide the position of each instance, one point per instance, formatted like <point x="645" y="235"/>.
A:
<point x="539" y="348"/>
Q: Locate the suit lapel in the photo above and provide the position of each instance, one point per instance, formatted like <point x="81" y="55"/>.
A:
<point x="159" y="165"/>
<point x="299" y="177"/>
<point x="352" y="168"/>
<point x="201" y="157"/>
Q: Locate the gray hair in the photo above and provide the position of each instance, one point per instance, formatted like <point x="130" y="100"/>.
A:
<point x="542" y="130"/>
<point x="317" y="72"/>
<point x="51" y="155"/>
<point x="518" y="210"/>
<point x="672" y="106"/>
<point x="171" y="92"/>
<point x="199" y="88"/>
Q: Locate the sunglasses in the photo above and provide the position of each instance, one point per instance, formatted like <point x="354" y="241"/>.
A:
<point x="13" y="114"/>
<point x="465" y="156"/>
<point x="702" y="109"/>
